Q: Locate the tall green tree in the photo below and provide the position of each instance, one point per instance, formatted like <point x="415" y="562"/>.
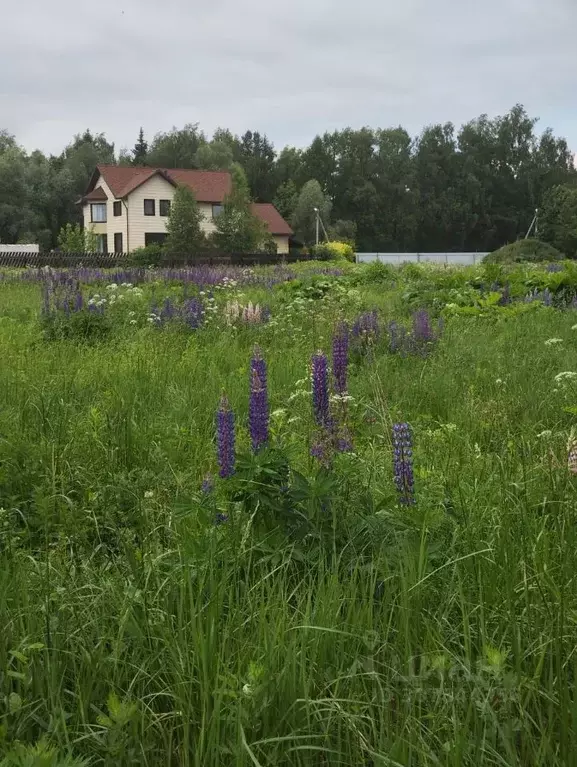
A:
<point x="184" y="225"/>
<point x="286" y="198"/>
<point x="304" y="217"/>
<point x="237" y="228"/>
<point x="214" y="155"/>
<point x="177" y="148"/>
<point x="558" y="219"/>
<point x="257" y="157"/>
<point x="140" y="151"/>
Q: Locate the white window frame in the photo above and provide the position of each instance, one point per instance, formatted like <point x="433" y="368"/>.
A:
<point x="100" y="206"/>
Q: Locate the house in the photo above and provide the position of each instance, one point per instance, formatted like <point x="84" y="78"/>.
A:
<point x="127" y="207"/>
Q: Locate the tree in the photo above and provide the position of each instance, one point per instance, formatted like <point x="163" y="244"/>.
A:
<point x="177" y="148"/>
<point x="304" y="217"/>
<point x="185" y="234"/>
<point x="72" y="238"/>
<point x="286" y="198"/>
<point x="237" y="228"/>
<point x="558" y="219"/>
<point x="140" y="151"/>
<point x="257" y="157"/>
<point x="214" y="155"/>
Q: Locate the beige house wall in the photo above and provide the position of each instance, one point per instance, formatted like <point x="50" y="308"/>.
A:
<point x="282" y="243"/>
<point x="155" y="189"/>
<point x="114" y="224"/>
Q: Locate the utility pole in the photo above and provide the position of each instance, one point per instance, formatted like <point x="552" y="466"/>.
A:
<point x="534" y="223"/>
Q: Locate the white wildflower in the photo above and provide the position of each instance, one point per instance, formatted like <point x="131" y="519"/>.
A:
<point x="149" y="494"/>
<point x="133" y="322"/>
<point x="567" y="375"/>
<point x="112" y="286"/>
<point x="573" y="327"/>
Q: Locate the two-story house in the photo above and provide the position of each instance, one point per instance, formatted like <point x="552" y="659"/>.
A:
<point x="127" y="207"/>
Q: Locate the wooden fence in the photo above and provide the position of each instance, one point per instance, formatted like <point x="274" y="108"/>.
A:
<point x="58" y="259"/>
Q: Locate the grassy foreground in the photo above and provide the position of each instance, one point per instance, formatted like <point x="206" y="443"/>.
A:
<point x="136" y="631"/>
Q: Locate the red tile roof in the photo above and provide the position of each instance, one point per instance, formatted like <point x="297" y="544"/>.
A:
<point x="271" y="217"/>
<point x="208" y="185"/>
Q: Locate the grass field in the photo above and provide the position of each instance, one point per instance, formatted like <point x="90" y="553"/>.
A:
<point x="295" y="613"/>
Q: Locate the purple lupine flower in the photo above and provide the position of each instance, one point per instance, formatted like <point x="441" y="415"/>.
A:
<point x="321" y="451"/>
<point x="225" y="439"/>
<point x="422" y="330"/>
<point x="78" y="301"/>
<point x="320" y="388"/>
<point x="193" y="313"/>
<point x="403" y="463"/>
<point x="547" y="297"/>
<point x="554" y="268"/>
<point x="207" y="485"/>
<point x="258" y="405"/>
<point x="341" y="357"/>
<point x="168" y="310"/>
<point x="344" y="443"/>
<point x="366" y="325"/>
<point x="220" y="519"/>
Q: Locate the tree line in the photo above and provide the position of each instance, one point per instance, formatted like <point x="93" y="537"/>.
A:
<point x="469" y="189"/>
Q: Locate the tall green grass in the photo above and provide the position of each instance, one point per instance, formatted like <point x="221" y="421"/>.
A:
<point x="135" y="632"/>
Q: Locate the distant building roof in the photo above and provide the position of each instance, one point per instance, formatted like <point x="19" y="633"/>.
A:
<point x="271" y="217"/>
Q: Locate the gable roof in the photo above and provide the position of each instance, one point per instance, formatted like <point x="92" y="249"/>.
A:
<point x="271" y="217"/>
<point x="95" y="195"/>
<point x="207" y="185"/>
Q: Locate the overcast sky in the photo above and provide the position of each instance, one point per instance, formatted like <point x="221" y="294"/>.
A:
<point x="290" y="68"/>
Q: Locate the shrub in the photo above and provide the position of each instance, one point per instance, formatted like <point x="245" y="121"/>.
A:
<point x="151" y="255"/>
<point x="268" y="245"/>
<point x="524" y="250"/>
<point x="333" y="251"/>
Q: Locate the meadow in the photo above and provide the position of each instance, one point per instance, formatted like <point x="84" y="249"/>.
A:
<point x="379" y="570"/>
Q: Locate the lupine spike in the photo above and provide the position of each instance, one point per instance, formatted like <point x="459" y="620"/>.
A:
<point x="225" y="439"/>
<point x="403" y="463"/>
<point x="258" y="416"/>
<point x="341" y="357"/>
<point x="320" y="388"/>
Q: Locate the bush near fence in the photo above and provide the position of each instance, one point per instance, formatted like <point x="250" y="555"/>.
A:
<point x="58" y="259"/>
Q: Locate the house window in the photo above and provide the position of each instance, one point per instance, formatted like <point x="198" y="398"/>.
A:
<point x="102" y="243"/>
<point x="98" y="212"/>
<point x="216" y="210"/>
<point x="149" y="208"/>
<point x="118" y="242"/>
<point x="117" y="207"/>
<point x="164" y="207"/>
<point x="154" y="238"/>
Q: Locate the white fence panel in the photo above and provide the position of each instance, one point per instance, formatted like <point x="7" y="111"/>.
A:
<point x="19" y="248"/>
<point x="451" y="259"/>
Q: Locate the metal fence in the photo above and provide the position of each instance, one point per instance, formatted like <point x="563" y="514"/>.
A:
<point x="58" y="259"/>
<point x="460" y="259"/>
